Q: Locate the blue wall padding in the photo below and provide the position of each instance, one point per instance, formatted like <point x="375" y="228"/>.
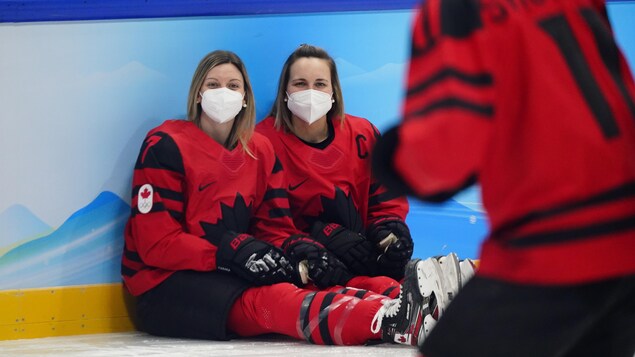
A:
<point x="52" y="10"/>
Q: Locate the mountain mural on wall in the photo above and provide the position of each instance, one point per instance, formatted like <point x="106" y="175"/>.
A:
<point x="19" y="225"/>
<point x="85" y="249"/>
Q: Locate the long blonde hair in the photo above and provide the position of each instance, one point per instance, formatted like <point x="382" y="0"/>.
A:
<point x="245" y="121"/>
<point x="280" y="111"/>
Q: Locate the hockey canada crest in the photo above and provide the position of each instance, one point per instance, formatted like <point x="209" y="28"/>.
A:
<point x="144" y="198"/>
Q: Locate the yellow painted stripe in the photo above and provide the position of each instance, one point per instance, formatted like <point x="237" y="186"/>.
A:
<point x="62" y="311"/>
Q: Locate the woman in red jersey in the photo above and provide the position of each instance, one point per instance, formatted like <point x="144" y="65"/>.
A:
<point x="332" y="194"/>
<point x="204" y="244"/>
<point x="535" y="101"/>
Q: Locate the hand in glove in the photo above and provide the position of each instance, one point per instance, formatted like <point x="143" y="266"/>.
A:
<point x="358" y="254"/>
<point x="324" y="269"/>
<point x="253" y="260"/>
<point x="392" y="238"/>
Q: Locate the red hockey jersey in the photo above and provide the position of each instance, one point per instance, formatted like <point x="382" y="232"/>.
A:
<point x="332" y="181"/>
<point x="535" y="100"/>
<point x="187" y="191"/>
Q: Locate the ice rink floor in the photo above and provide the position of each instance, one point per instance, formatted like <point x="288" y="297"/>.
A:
<point x="141" y="344"/>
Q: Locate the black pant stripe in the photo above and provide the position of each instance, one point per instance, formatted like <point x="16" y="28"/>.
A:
<point x="361" y="293"/>
<point x="324" y="319"/>
<point x="304" y="316"/>
<point x="388" y="291"/>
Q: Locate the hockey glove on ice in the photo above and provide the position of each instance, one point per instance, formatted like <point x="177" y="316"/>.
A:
<point x="350" y="247"/>
<point x="324" y="268"/>
<point x="396" y="250"/>
<point x="253" y="260"/>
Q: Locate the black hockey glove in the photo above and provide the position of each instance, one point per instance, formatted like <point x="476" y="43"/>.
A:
<point x="392" y="238"/>
<point x="324" y="269"/>
<point x="350" y="247"/>
<point x="253" y="260"/>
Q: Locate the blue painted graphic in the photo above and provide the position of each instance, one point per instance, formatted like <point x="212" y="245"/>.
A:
<point x="86" y="249"/>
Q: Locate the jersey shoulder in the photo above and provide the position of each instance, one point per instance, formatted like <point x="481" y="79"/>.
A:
<point x="266" y="126"/>
<point x="262" y="149"/>
<point x="160" y="147"/>
<point x="358" y="125"/>
<point x="172" y="127"/>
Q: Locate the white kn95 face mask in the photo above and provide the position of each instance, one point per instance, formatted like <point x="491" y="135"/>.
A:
<point x="221" y="104"/>
<point x="309" y="105"/>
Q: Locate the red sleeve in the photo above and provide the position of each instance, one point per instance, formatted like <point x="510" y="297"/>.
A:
<point x="449" y="104"/>
<point x="157" y="209"/>
<point x="272" y="220"/>
<point x="383" y="202"/>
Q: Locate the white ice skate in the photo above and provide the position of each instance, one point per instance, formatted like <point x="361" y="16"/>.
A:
<point x="468" y="269"/>
<point x="408" y="319"/>
<point x="451" y="274"/>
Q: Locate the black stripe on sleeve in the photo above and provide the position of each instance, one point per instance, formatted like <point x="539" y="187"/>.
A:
<point x="578" y="233"/>
<point x="132" y="256"/>
<point x="156" y="207"/>
<point x="279" y="212"/>
<point x="275" y="193"/>
<point x="483" y="110"/>
<point x="129" y="272"/>
<point x="482" y="79"/>
<point x="613" y="195"/>
<point x="176" y="215"/>
<point x="383" y="197"/>
<point x="163" y="192"/>
<point x="459" y="19"/>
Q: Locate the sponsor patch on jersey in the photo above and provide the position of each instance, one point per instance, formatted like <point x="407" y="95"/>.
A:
<point x="144" y="198"/>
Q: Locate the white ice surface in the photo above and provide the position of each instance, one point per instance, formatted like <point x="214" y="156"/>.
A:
<point x="141" y="344"/>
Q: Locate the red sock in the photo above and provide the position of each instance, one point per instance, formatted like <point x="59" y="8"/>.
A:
<point x="320" y="317"/>
<point x="378" y="284"/>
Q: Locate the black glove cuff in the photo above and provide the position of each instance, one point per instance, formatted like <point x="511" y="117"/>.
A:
<point x="230" y="244"/>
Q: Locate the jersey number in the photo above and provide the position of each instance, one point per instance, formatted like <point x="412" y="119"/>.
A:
<point x="561" y="33"/>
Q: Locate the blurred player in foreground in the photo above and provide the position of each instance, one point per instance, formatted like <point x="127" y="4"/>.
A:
<point x="534" y="100"/>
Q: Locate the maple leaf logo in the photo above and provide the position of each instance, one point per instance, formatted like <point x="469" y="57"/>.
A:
<point x="341" y="210"/>
<point x="234" y="219"/>
<point x="145" y="194"/>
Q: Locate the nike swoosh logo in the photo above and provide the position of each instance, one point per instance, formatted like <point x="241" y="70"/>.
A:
<point x="201" y="187"/>
<point x="293" y="188"/>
